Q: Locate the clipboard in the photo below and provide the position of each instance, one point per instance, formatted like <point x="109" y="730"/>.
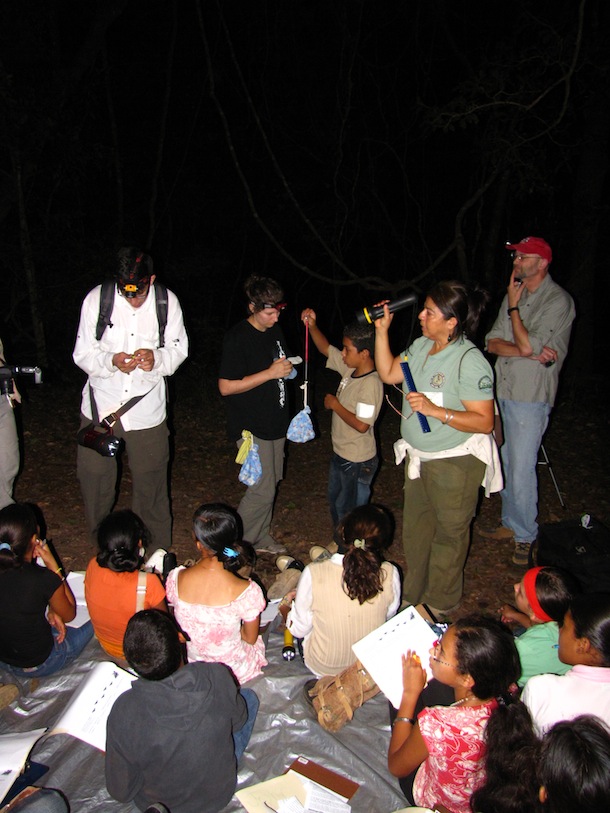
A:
<point x="341" y="785"/>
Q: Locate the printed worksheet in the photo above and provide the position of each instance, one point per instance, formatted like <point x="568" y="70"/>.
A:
<point x="381" y="651"/>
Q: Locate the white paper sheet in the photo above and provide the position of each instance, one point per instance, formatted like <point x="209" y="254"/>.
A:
<point x="86" y="714"/>
<point x="381" y="651"/>
<point x="76" y="580"/>
<point x="270" y="612"/>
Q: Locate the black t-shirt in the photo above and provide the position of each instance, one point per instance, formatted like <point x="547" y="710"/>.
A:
<point x="263" y="410"/>
<point x="25" y="634"/>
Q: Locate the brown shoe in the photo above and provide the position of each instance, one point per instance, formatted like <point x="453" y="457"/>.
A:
<point x="521" y="554"/>
<point x="500" y="534"/>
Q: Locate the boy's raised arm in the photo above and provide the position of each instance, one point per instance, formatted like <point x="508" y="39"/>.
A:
<point x="308" y="316"/>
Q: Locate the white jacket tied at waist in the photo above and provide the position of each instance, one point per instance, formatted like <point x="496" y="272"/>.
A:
<point x="483" y="447"/>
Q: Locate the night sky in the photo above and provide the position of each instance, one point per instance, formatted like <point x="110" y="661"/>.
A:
<point x="351" y="149"/>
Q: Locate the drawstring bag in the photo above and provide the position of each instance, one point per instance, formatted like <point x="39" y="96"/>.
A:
<point x="251" y="470"/>
<point x="301" y="429"/>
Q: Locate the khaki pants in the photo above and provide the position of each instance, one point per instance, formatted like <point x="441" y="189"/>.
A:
<point x="438" y="511"/>
<point x="148" y="453"/>
<point x="256" y="506"/>
<point x="9" y="455"/>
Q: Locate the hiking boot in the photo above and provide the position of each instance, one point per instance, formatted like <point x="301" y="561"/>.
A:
<point x="499" y="534"/>
<point x="521" y="554"/>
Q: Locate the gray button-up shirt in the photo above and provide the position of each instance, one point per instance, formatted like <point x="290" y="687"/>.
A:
<point x="547" y="315"/>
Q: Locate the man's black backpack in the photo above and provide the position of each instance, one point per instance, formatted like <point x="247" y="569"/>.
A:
<point x="107" y="304"/>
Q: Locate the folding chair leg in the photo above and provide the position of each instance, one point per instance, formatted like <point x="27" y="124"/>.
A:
<point x="546" y="462"/>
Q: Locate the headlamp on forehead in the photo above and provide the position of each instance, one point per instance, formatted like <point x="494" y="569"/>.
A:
<point x="133" y="281"/>
<point x="277" y="306"/>
<point x="133" y="287"/>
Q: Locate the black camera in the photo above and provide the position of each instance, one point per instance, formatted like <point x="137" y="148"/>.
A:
<point x="8" y="373"/>
<point x="100" y="439"/>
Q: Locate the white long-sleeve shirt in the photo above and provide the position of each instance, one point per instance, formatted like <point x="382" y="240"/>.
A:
<point x="132" y="329"/>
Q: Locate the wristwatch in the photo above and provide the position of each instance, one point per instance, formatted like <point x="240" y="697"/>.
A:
<point x="514" y="308"/>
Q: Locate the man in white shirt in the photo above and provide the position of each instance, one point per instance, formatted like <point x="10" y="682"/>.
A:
<point x="128" y="360"/>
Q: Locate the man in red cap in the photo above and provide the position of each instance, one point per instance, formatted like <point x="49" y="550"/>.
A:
<point x="530" y="338"/>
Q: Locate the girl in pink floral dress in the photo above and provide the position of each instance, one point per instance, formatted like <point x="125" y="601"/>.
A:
<point x="477" y="657"/>
<point x="219" y="610"/>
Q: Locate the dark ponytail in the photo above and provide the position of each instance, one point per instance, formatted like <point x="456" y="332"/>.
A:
<point x="219" y="527"/>
<point x="366" y="533"/>
<point x="17" y="527"/>
<point x="118" y="540"/>
<point x="510" y="761"/>
<point x="454" y="299"/>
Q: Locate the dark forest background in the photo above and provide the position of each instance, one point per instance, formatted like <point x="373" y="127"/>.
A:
<point x="353" y="149"/>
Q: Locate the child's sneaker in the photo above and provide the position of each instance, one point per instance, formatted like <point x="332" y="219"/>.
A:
<point x="283" y="561"/>
<point x="318" y="554"/>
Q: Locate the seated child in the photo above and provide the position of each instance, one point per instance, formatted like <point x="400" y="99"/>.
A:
<point x="176" y="735"/>
<point x="36" y="603"/>
<point x="218" y="609"/>
<point x="477" y="657"/>
<point x="111" y="580"/>
<point x="574" y="767"/>
<point x="340" y="600"/>
<point x="542" y="598"/>
<point x="584" y="644"/>
<point x="355" y="408"/>
<point x="567" y="771"/>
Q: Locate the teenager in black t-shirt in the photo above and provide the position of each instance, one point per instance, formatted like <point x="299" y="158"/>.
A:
<point x="252" y="379"/>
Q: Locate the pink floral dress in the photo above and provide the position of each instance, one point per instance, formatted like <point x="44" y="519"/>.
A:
<point x="454" y="737"/>
<point x="215" y="632"/>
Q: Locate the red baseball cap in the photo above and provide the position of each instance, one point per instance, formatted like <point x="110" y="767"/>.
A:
<point x="532" y="245"/>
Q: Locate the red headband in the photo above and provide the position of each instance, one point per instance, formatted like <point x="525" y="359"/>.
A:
<point x="529" y="584"/>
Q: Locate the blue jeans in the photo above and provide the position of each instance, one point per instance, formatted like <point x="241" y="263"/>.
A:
<point x="349" y="485"/>
<point x="73" y="644"/>
<point x="524" y="425"/>
<point x="241" y="738"/>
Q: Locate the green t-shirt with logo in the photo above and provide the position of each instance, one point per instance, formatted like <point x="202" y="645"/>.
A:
<point x="460" y="372"/>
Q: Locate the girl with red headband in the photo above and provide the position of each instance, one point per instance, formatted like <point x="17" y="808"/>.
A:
<point x="542" y="598"/>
